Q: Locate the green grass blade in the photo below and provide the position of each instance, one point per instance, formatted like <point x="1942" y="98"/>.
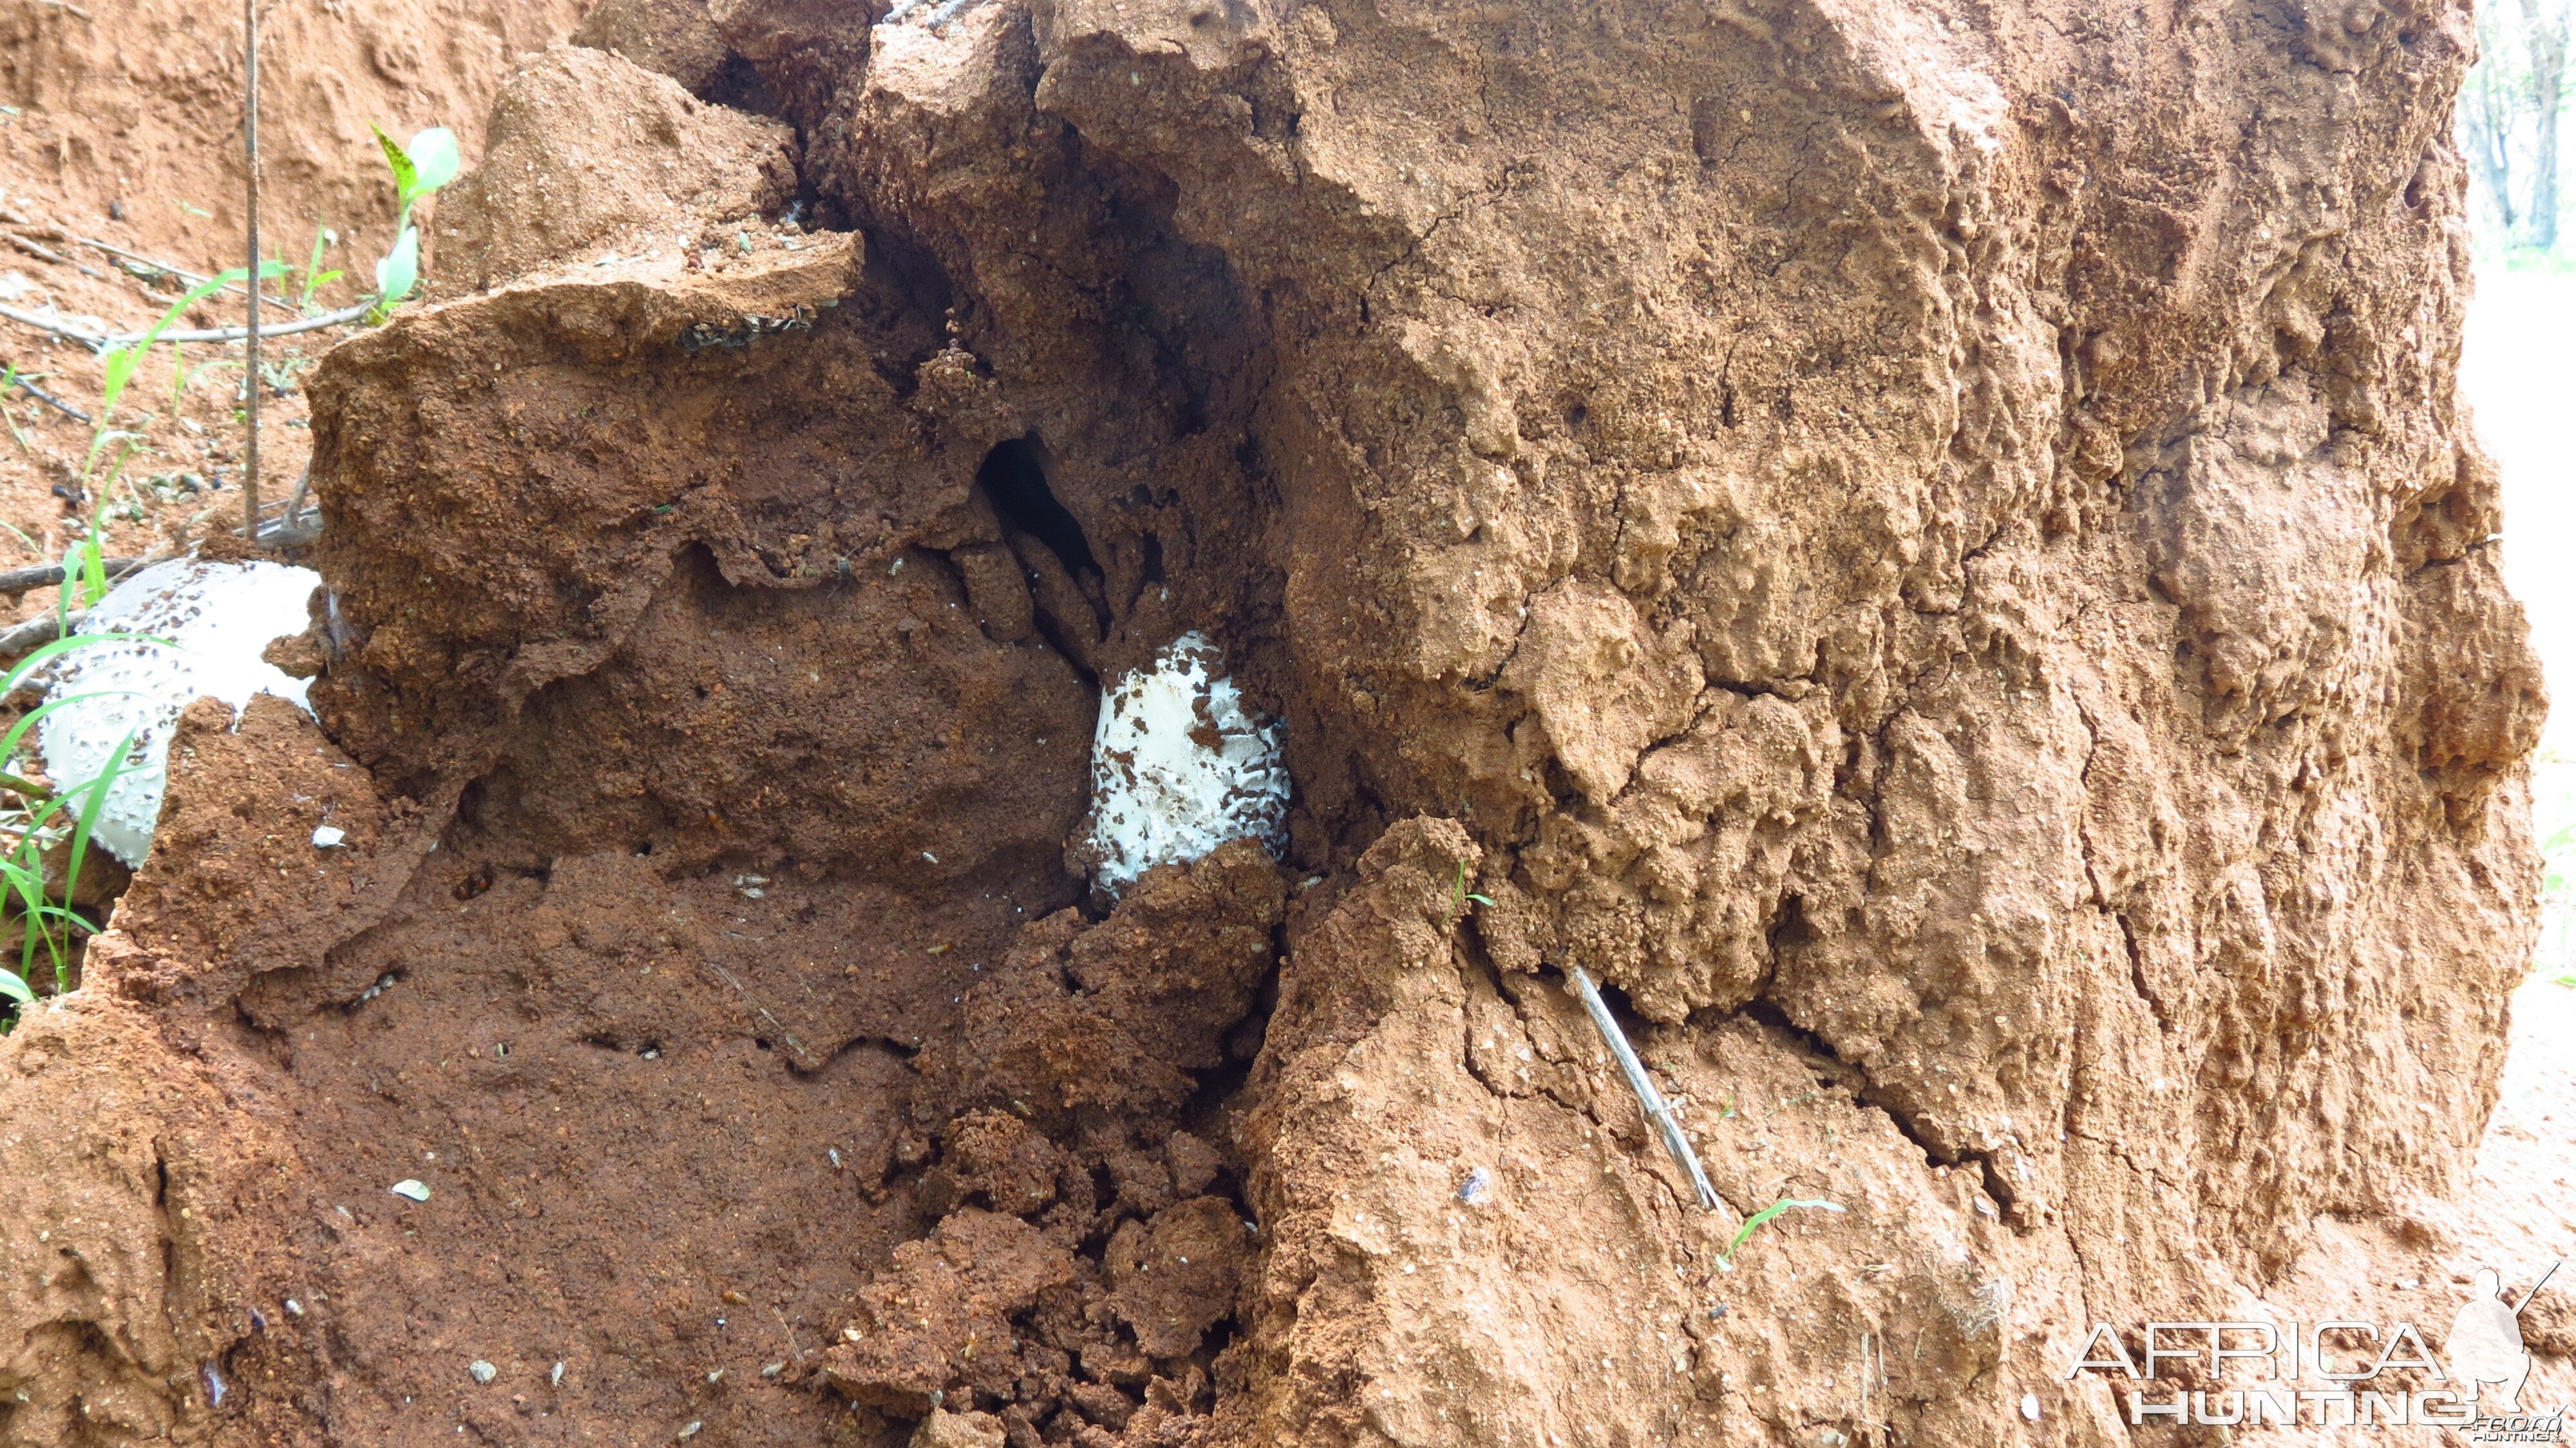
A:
<point x="1754" y="1222"/>
<point x="91" y="808"/>
<point x="17" y="733"/>
<point x="47" y="653"/>
<point x="26" y="878"/>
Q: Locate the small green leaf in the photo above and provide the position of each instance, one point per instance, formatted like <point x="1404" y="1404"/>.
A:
<point x="435" y="160"/>
<point x="1765" y="1215"/>
<point x="121" y="363"/>
<point x="406" y="175"/>
<point x="399" y="272"/>
<point x="14" y="987"/>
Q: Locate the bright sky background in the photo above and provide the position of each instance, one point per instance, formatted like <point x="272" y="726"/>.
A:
<point x="2518" y="376"/>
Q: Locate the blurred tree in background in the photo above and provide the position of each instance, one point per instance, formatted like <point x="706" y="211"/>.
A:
<point x="2509" y="115"/>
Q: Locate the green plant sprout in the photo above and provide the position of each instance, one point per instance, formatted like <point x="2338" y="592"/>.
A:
<point x="431" y="161"/>
<point x="9" y="379"/>
<point x="280" y="374"/>
<point x="315" y="277"/>
<point x="183" y="376"/>
<point x="1459" y="895"/>
<point x="1726" y="1259"/>
<point x="39" y="819"/>
<point x="122" y="361"/>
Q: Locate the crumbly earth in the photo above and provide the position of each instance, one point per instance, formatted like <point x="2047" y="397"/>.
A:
<point x="585" y="147"/>
<point x="1934" y="552"/>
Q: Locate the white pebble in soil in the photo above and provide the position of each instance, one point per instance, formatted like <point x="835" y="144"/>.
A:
<point x="1179" y="766"/>
<point x="217" y="618"/>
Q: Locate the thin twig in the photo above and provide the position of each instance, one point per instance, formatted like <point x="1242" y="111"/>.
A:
<point x="15" y="581"/>
<point x="295" y="502"/>
<point x="40" y="253"/>
<point x="50" y="400"/>
<point x="23" y="639"/>
<point x="182" y="273"/>
<point x="101" y="341"/>
<point x="46" y="253"/>
<point x="2536" y="1286"/>
<point x="1651" y="1100"/>
<point x="250" y="337"/>
<point x="288" y="530"/>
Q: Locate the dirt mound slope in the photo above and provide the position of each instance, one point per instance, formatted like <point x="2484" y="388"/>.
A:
<point x="123" y="130"/>
<point x="130" y="114"/>
<point x="1934" y="555"/>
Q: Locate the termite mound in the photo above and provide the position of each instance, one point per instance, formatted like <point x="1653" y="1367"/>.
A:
<point x="1998" y="664"/>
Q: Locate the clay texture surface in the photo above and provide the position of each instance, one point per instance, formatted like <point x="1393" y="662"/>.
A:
<point x="1934" y="553"/>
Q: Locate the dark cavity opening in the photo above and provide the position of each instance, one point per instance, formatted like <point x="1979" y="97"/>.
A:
<point x="1015" y="480"/>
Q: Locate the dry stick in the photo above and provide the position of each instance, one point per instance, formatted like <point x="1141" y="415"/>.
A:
<point x="42" y="253"/>
<point x="286" y="531"/>
<point x="182" y="273"/>
<point x="20" y="640"/>
<point x="50" y="400"/>
<point x="250" y="335"/>
<point x="1647" y="1096"/>
<point x="101" y="341"/>
<point x="15" y="581"/>
<point x="2536" y="1286"/>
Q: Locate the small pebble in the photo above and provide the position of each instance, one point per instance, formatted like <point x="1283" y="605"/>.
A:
<point x="294" y="1308"/>
<point x="1478" y="1186"/>
<point x="329" y="837"/>
<point x="481" y="1371"/>
<point x="408" y="1187"/>
<point x="2030" y="1407"/>
<point x="555" y="1379"/>
<point x="690" y="1431"/>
